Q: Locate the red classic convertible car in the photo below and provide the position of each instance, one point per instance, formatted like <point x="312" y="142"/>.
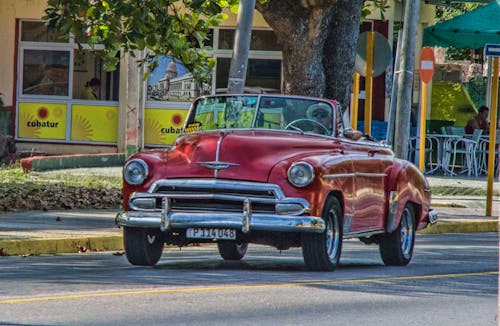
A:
<point x="284" y="171"/>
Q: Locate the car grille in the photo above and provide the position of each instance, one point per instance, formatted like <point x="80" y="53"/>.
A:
<point x="216" y="195"/>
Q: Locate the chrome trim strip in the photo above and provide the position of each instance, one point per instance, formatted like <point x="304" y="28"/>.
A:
<point x="217" y="152"/>
<point x="347" y="223"/>
<point x="364" y="233"/>
<point x="262" y="222"/>
<point x="356" y="174"/>
<point x="393" y="210"/>
<point x="214" y="184"/>
<point x="339" y="175"/>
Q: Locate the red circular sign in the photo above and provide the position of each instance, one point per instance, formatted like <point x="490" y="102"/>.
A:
<point x="176" y="119"/>
<point x="426" y="65"/>
<point x="43" y="112"/>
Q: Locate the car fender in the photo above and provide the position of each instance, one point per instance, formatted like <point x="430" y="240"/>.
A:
<point x="406" y="184"/>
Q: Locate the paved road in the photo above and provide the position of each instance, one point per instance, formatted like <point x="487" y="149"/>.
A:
<point x="451" y="281"/>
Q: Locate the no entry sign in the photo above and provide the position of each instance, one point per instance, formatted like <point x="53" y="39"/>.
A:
<point x="426" y="66"/>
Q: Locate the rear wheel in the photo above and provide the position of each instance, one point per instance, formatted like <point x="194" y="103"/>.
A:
<point x="232" y="249"/>
<point x="396" y="249"/>
<point x="322" y="251"/>
<point x="142" y="246"/>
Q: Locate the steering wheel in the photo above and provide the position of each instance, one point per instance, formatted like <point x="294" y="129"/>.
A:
<point x="292" y="125"/>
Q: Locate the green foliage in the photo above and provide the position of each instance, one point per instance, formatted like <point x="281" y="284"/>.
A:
<point x="13" y="173"/>
<point x="450" y="11"/>
<point x="460" y="191"/>
<point x="453" y="9"/>
<point x="451" y="102"/>
<point x="177" y="28"/>
<point x="56" y="190"/>
<point x="374" y="5"/>
<point x="476" y="87"/>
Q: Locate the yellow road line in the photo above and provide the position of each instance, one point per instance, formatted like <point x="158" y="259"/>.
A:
<point x="240" y="287"/>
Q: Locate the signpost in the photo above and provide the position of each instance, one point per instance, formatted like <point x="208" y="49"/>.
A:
<point x="373" y="55"/>
<point x="426" y="71"/>
<point x="492" y="50"/>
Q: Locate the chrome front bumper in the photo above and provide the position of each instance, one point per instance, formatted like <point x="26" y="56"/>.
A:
<point x="183" y="220"/>
<point x="179" y="204"/>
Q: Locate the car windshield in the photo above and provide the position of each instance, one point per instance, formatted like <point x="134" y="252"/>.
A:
<point x="266" y="112"/>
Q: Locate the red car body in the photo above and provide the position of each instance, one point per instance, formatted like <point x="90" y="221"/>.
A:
<point x="354" y="188"/>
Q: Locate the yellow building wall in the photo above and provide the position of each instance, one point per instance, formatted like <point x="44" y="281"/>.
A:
<point x="258" y="20"/>
<point x="12" y="9"/>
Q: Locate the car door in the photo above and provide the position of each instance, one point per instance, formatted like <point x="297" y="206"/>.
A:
<point x="369" y="195"/>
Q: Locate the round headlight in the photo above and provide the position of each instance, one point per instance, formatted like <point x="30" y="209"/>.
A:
<point x="300" y="174"/>
<point x="135" y="172"/>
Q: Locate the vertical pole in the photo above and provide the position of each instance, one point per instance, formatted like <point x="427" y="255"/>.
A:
<point x="489" y="65"/>
<point x="394" y="92"/>
<point x="131" y="103"/>
<point x="405" y="80"/>
<point x="423" y="116"/>
<point x="355" y="98"/>
<point x="492" y="137"/>
<point x="369" y="83"/>
<point x="239" y="60"/>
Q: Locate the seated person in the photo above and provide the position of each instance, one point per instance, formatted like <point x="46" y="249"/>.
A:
<point x="91" y="89"/>
<point x="480" y="121"/>
<point x="321" y="113"/>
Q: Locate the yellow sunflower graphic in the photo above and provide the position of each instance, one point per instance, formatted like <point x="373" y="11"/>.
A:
<point x="152" y="132"/>
<point x="81" y="129"/>
<point x="28" y="132"/>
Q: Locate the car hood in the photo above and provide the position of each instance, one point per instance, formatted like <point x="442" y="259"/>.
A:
<point x="243" y="155"/>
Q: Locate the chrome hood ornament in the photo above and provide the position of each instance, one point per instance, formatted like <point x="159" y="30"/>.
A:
<point x="217" y="165"/>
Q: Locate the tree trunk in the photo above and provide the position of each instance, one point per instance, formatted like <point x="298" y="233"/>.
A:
<point x="339" y="60"/>
<point x="309" y="30"/>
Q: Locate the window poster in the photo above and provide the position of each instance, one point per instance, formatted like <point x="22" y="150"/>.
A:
<point x="171" y="81"/>
<point x="96" y="123"/>
<point x="41" y="121"/>
<point x="162" y="126"/>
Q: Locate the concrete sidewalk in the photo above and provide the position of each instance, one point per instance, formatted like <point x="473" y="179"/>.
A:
<point x="58" y="231"/>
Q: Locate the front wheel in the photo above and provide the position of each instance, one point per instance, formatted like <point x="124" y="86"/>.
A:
<point x="321" y="251"/>
<point x="231" y="249"/>
<point x="396" y="249"/>
<point x="142" y="246"/>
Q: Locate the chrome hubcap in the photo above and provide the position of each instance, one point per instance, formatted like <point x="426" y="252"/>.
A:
<point x="407" y="233"/>
<point x="332" y="235"/>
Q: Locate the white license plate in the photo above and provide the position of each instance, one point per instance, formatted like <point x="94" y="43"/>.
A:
<point x="211" y="233"/>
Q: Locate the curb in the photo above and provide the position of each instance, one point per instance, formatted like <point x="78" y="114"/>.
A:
<point x="461" y="227"/>
<point x="43" y="163"/>
<point x="37" y="246"/>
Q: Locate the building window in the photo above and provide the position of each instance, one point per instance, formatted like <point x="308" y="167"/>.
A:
<point x="37" y="31"/>
<point x="90" y="81"/>
<point x="263" y="75"/>
<point x="54" y="65"/>
<point x="262" y="40"/>
<point x="45" y="72"/>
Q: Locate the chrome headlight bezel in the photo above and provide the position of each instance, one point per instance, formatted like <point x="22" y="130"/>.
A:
<point x="300" y="174"/>
<point x="135" y="172"/>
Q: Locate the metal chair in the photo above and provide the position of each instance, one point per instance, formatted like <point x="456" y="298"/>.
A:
<point x="466" y="148"/>
<point x="482" y="152"/>
<point x="431" y="153"/>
